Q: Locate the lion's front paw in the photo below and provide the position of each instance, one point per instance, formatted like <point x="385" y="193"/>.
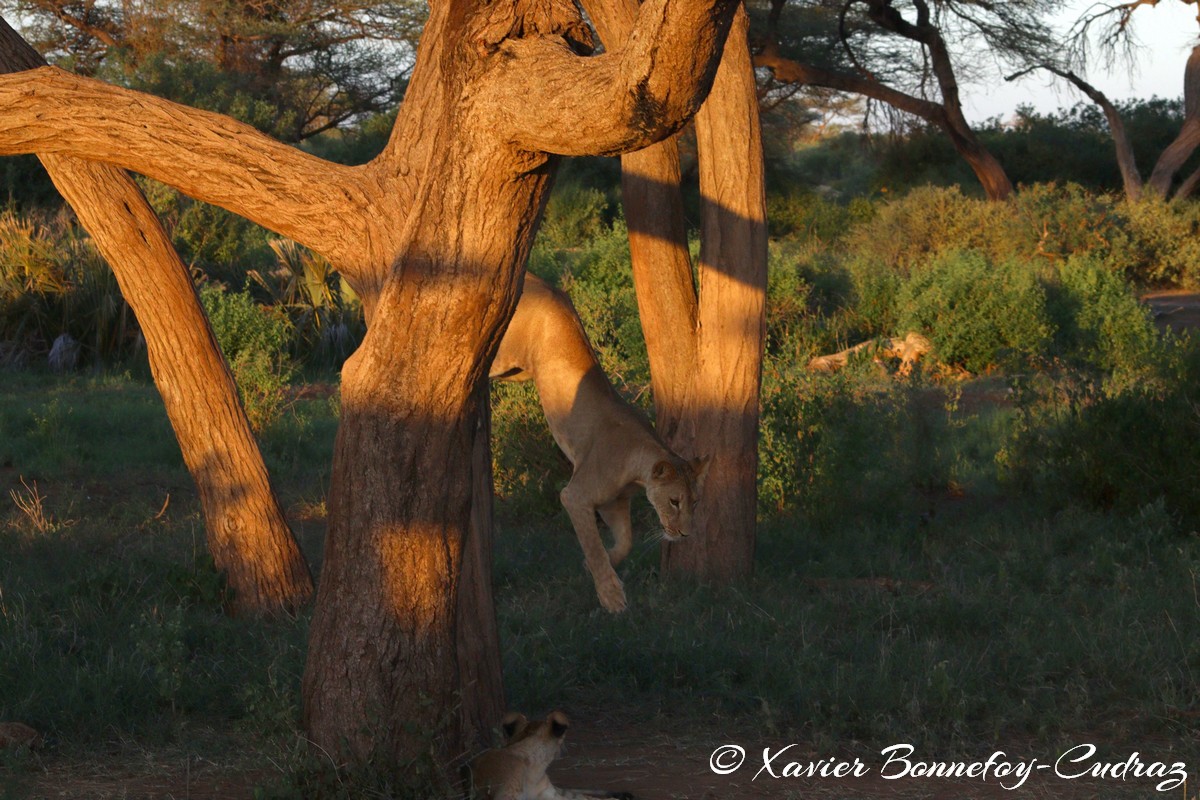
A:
<point x="612" y="593"/>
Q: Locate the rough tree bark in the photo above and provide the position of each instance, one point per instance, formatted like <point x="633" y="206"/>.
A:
<point x="434" y="234"/>
<point x="247" y="534"/>
<point x="705" y="346"/>
<point x="946" y="115"/>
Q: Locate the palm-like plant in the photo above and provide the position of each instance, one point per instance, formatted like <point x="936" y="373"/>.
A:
<point x="324" y="310"/>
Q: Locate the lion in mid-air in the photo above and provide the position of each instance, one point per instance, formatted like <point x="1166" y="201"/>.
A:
<point x="610" y="443"/>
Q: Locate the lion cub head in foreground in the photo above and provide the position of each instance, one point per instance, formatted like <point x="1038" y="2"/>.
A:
<point x="674" y="490"/>
<point x="517" y="771"/>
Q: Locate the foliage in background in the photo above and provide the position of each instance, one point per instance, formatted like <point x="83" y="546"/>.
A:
<point x="1111" y="444"/>
<point x="53" y="282"/>
<point x="210" y="240"/>
<point x="978" y="314"/>
<point x="1046" y="282"/>
<point x="326" y="315"/>
<point x="255" y="341"/>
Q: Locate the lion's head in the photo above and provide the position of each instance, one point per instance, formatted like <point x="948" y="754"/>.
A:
<point x="674" y="489"/>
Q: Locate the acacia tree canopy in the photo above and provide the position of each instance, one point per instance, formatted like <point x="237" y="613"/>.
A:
<point x="909" y="55"/>
<point x="292" y="68"/>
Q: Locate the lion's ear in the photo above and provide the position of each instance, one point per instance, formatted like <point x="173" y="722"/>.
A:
<point x="558" y="724"/>
<point x="699" y="470"/>
<point x="663" y="471"/>
<point x="512" y="725"/>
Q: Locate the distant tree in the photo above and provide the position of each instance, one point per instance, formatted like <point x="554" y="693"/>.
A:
<point x="905" y="55"/>
<point x="1075" y="144"/>
<point x="1107" y="31"/>
<point x="291" y="68"/>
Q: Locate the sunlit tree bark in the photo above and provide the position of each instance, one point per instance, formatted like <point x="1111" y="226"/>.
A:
<point x="434" y="235"/>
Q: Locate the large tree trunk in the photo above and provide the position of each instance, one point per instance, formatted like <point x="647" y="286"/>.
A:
<point x="946" y="115"/>
<point x="479" y="667"/>
<point x="723" y="401"/>
<point x="705" y="348"/>
<point x="1131" y="176"/>
<point x="987" y="168"/>
<point x="248" y="536"/>
<point x="662" y="277"/>
<point x="1177" y="153"/>
<point x="662" y="266"/>
<point x="1172" y="158"/>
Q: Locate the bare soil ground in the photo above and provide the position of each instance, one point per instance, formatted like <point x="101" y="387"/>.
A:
<point x="1177" y="309"/>
<point x="602" y="754"/>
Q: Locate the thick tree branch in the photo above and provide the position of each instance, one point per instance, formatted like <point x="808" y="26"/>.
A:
<point x="104" y="34"/>
<point x="1174" y="156"/>
<point x="207" y="156"/>
<point x="947" y="114"/>
<point x="1188" y="186"/>
<point x="246" y="529"/>
<point x="787" y="70"/>
<point x="668" y="306"/>
<point x="545" y="98"/>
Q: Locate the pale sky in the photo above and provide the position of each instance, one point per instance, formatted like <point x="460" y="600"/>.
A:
<point x="1168" y="31"/>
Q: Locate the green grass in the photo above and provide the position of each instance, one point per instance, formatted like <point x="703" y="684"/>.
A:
<point x="84" y="426"/>
<point x="992" y="627"/>
<point x="111" y="615"/>
<point x="909" y="594"/>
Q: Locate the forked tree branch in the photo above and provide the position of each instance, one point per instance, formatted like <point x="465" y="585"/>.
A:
<point x="543" y="97"/>
<point x="207" y="156"/>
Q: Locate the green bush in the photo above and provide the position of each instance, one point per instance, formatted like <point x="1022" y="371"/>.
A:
<point x="977" y="314"/>
<point x="1049" y="223"/>
<point x="1113" y="446"/>
<point x="1101" y="325"/>
<point x="794" y="213"/>
<point x="927" y="222"/>
<point x="219" y="243"/>
<point x="1165" y="243"/>
<point x="598" y="277"/>
<point x="574" y="215"/>
<point x="325" y="313"/>
<point x="528" y="469"/>
<point x="255" y="343"/>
